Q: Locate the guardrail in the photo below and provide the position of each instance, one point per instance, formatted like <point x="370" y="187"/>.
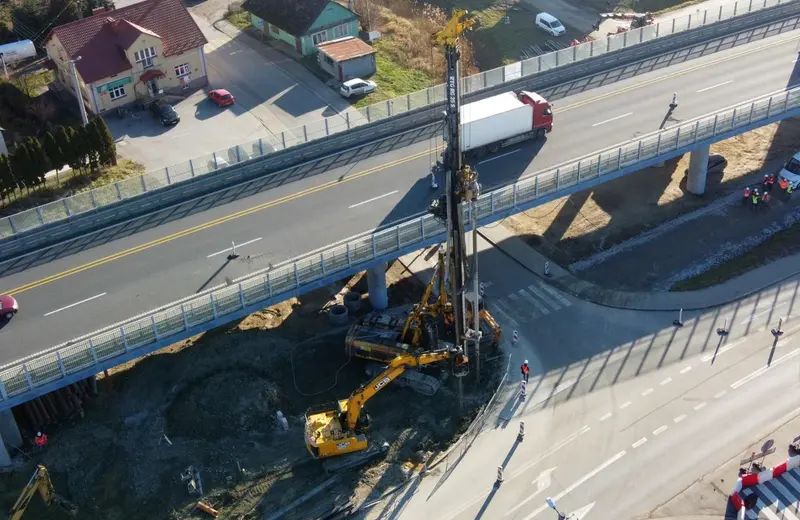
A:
<point x="506" y="75"/>
<point x="60" y="365"/>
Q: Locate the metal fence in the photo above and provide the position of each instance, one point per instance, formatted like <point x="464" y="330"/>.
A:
<point x="210" y="163"/>
<point x="144" y="332"/>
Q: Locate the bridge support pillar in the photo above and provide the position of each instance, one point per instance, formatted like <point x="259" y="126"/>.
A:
<point x="9" y="436"/>
<point x="698" y="168"/>
<point x="376" y="285"/>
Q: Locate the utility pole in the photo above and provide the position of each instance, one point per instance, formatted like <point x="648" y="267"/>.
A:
<point x="5" y="69"/>
<point x="77" y="86"/>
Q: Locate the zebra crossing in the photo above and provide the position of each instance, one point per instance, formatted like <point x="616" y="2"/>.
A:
<point x="530" y="303"/>
<point x="777" y="499"/>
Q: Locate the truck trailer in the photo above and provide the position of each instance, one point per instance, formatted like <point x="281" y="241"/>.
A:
<point x="492" y="123"/>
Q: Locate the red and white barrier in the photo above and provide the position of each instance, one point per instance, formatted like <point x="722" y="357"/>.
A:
<point x="755" y="479"/>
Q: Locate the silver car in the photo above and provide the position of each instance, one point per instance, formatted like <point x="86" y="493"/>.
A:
<point x="357" y="87"/>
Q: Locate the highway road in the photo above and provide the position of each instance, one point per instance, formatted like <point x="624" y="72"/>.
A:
<point x="624" y="410"/>
<point x="85" y="290"/>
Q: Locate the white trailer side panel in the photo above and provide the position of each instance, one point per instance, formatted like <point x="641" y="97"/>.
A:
<point x="494" y="119"/>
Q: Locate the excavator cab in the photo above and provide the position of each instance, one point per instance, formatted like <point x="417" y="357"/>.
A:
<point x="460" y="364"/>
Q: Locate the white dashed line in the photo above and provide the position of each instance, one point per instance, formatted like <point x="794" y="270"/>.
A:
<point x="625" y="405"/>
<point x="666" y="381"/>
<point x="679" y="418"/>
<point x="373" y="199"/>
<point x="647" y="392"/>
<point x="700" y="407"/>
<point x="639" y="442"/>
<point x="612" y="119"/>
<point x="606" y="416"/>
<point x="714" y="86"/>
<point x="720" y="394"/>
<point x="660" y="430"/>
<point x="685" y="369"/>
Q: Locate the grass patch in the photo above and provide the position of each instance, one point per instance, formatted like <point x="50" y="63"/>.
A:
<point x="238" y="17"/>
<point x="499" y="44"/>
<point x="393" y="81"/>
<point x="69" y="182"/>
<point x="34" y="83"/>
<point x="779" y="245"/>
<point x="640" y="6"/>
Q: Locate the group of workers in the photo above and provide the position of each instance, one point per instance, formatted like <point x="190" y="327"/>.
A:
<point x="756" y="197"/>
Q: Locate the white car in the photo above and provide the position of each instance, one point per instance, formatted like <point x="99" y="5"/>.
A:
<point x="791" y="171"/>
<point x="357" y="87"/>
<point x="550" y="24"/>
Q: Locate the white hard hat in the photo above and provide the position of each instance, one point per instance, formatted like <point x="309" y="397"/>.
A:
<point x="38" y="434"/>
<point x="526" y="361"/>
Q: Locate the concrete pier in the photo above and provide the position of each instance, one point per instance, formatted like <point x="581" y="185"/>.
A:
<point x="698" y="168"/>
<point x="376" y="284"/>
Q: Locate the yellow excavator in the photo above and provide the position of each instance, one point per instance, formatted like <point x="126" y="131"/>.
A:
<point x="382" y="337"/>
<point x="340" y="429"/>
<point x="40" y="481"/>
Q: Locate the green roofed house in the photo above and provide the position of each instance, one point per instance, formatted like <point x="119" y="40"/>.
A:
<point x="302" y="24"/>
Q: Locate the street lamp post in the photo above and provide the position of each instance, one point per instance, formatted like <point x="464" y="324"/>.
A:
<point x="77" y="87"/>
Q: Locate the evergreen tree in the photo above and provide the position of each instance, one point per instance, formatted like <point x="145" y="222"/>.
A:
<point x="39" y="163"/>
<point x="76" y="157"/>
<point x="53" y="150"/>
<point x="21" y="166"/>
<point x="88" y="138"/>
<point x="62" y="138"/>
<point x="7" y="182"/>
<point x="107" y="146"/>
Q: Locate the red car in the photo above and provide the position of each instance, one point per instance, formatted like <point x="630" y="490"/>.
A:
<point x="221" y="97"/>
<point x="8" y="306"/>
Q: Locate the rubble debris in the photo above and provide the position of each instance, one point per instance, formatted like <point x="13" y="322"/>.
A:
<point x="207" y="508"/>
<point x="193" y="483"/>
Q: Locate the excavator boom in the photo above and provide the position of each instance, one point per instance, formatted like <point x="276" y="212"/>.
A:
<point x="40" y="481"/>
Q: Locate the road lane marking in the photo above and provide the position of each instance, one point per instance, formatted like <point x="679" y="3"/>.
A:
<point x="499" y="156"/>
<point x="373" y="199"/>
<point x="666" y="381"/>
<point x="639" y="442"/>
<point x="76" y="304"/>
<point x="369" y="171"/>
<point x="714" y="86"/>
<point x="763" y="369"/>
<point x="679" y="418"/>
<point x="606" y="416"/>
<point x="674" y="74"/>
<point x="660" y="430"/>
<point x="685" y="369"/>
<point x="237" y="245"/>
<point x="720" y="394"/>
<point x="625" y="405"/>
<point x="602" y="467"/>
<point x="612" y="119"/>
<point x="700" y="406"/>
<point x="647" y="392"/>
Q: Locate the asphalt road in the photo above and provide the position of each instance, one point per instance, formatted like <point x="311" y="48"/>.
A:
<point x="96" y="287"/>
<point x="624" y="410"/>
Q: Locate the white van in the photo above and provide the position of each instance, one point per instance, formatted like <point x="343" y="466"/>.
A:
<point x="791" y="171"/>
<point x="550" y="24"/>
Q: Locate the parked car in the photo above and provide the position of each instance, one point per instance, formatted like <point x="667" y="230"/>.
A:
<point x="164" y="112"/>
<point x="716" y="164"/>
<point x="357" y="87"/>
<point x="8" y="306"/>
<point x="791" y="171"/>
<point x="221" y="97"/>
<point x="550" y="24"/>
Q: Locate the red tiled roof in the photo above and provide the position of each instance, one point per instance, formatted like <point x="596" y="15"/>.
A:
<point x="346" y="49"/>
<point x="101" y="39"/>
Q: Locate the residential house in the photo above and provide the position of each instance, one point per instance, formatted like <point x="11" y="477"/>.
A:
<point x="129" y="54"/>
<point x="347" y="58"/>
<point x="302" y="24"/>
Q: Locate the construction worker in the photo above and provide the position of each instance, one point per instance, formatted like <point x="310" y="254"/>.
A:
<point x="789" y="189"/>
<point x="40" y="440"/>
<point x="674" y="103"/>
<point x="770" y="181"/>
<point x="783" y="184"/>
<point x="764" y="183"/>
<point x="525" y="369"/>
<point x="746" y="194"/>
<point x="754" y="200"/>
<point x="765" y="198"/>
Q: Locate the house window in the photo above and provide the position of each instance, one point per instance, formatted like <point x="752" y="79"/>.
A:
<point x="319" y="37"/>
<point x="340" y="31"/>
<point x="117" y="92"/>
<point x="328" y="60"/>
<point x="145" y="57"/>
<point x="182" y="70"/>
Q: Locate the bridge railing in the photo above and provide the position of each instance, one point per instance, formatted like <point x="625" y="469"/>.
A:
<point x="146" y="332"/>
<point x="210" y="163"/>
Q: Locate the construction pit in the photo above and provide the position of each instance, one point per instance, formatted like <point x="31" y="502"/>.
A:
<point x="208" y="405"/>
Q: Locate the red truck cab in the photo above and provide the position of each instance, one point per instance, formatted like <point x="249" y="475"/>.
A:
<point x="542" y="112"/>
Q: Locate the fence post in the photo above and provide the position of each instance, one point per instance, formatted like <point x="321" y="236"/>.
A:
<point x="591" y="48"/>
<point x="296" y="275"/>
<point x="283" y="140"/>
<point x="786" y="102"/>
<point x="260" y="146"/>
<point x="624" y="39"/>
<point x="690" y="22"/>
<point x="389" y="106"/>
<point x="369" y="120"/>
<point x="124" y="338"/>
<point x="536" y="187"/>
<point x="238" y="154"/>
<point x="374" y="247"/>
<point x="305" y="134"/>
<point x="750" y="7"/>
<point x="752" y="107"/>
<point x="66" y="207"/>
<point x="3" y="391"/>
<point x="41" y="218"/>
<point x="491" y="201"/>
<point x="720" y="13"/>
<point x="213" y="306"/>
<point x="27" y="376"/>
<point x="696" y="130"/>
<point x="347" y="119"/>
<point x="619" y="159"/>
<point x="93" y="351"/>
<point x="639" y="151"/>
<point x="185" y="318"/>
<point x="539" y="63"/>
<point x="191" y="167"/>
<point x="144" y="184"/>
<point x="558" y="176"/>
<point x="714" y="130"/>
<point x="658" y="28"/>
<point x="641" y="34"/>
<point x="556" y="53"/>
<point x="705" y="14"/>
<point x="599" y="162"/>
<point x="11" y="223"/>
<point x="166" y="170"/>
<point x="61" y="364"/>
<point x="428" y="94"/>
<point x="241" y="296"/>
<point x="769" y="108"/>
<point x="677" y="137"/>
<point x="327" y="131"/>
<point x="503" y="74"/>
<point x="91" y="196"/>
<point x="673" y="24"/>
<point x="322" y="259"/>
<point x="575" y="54"/>
<point x="516" y="190"/>
<point x="735" y="8"/>
<point x="155" y="327"/>
<point x="408" y="102"/>
<point x="214" y="157"/>
<point x="349" y="258"/>
<point x="658" y="146"/>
